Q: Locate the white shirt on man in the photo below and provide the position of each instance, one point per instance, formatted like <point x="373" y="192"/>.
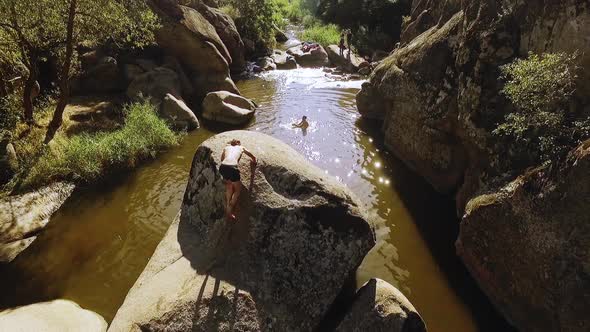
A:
<point x="232" y="155"/>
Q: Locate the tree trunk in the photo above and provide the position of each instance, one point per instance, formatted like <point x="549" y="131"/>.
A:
<point x="28" y="90"/>
<point x="64" y="80"/>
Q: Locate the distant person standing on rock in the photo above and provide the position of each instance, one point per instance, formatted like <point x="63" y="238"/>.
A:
<point x="230" y="158"/>
<point x="349" y="41"/>
<point x="341" y="44"/>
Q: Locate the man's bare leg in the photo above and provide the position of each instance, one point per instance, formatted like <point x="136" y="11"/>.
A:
<point x="236" y="187"/>
<point x="228" y="196"/>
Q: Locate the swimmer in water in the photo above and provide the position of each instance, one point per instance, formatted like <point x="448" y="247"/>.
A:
<point x="303" y="124"/>
<point x="230" y="158"/>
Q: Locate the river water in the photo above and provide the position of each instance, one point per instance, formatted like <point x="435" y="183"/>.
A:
<point x="97" y="245"/>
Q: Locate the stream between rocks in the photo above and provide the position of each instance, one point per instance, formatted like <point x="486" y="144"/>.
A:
<point x="97" y="245"/>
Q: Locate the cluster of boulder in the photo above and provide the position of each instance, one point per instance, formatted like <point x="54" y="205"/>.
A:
<point x="299" y="237"/>
<point x="313" y="55"/>
<point x="198" y="47"/>
<point x="524" y="237"/>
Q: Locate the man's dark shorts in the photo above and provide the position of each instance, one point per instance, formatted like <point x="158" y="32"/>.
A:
<point x="230" y="173"/>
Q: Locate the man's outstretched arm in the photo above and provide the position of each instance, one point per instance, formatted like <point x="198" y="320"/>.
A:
<point x="249" y="154"/>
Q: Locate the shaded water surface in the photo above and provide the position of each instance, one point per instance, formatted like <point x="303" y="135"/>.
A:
<point x="98" y="244"/>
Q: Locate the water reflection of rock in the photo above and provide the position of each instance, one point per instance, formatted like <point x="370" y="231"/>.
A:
<point x="380" y="262"/>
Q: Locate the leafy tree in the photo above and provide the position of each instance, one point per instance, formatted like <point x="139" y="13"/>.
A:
<point x="545" y="124"/>
<point x="39" y="28"/>
<point x="256" y="19"/>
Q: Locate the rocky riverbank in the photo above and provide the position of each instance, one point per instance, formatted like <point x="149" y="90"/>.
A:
<point x="523" y="236"/>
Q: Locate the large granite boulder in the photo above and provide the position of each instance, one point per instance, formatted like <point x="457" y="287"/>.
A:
<point x="22" y="217"/>
<point x="528" y="246"/>
<point x="413" y="126"/>
<point x="283" y="60"/>
<point x="155" y="84"/>
<point x="348" y="61"/>
<point x="227" y="31"/>
<point x="298" y="237"/>
<point x="187" y="35"/>
<point x="380" y="307"/>
<point x="54" y="316"/>
<point x="229" y="108"/>
<point x="266" y="63"/>
<point x="316" y="57"/>
<point x="178" y="113"/>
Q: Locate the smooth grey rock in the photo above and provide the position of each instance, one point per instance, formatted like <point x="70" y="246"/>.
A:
<point x="298" y="237"/>
<point x="54" y="316"/>
<point x="349" y="61"/>
<point x="23" y="216"/>
<point x="380" y="307"/>
<point x="229" y="108"/>
<point x="178" y="113"/>
<point x="187" y="35"/>
<point x="314" y="58"/>
<point x="266" y="63"/>
<point x="283" y="60"/>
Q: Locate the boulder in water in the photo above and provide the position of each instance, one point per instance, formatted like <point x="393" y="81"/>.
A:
<point x="528" y="245"/>
<point x="378" y="306"/>
<point x="283" y="60"/>
<point x="315" y="56"/>
<point x="266" y="63"/>
<point x="229" y="108"/>
<point x="54" y="316"/>
<point x="280" y="35"/>
<point x="348" y="60"/>
<point x="178" y="113"/>
<point x="22" y="217"/>
<point x="299" y="236"/>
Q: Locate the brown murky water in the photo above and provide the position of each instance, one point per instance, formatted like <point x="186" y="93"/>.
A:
<point x="98" y="244"/>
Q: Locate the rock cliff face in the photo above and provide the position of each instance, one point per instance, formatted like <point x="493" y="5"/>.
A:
<point x="298" y="237"/>
<point x="529" y="246"/>
<point x="439" y="98"/>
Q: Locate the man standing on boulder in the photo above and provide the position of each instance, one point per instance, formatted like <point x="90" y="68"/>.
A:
<point x="230" y="158"/>
<point x="349" y="41"/>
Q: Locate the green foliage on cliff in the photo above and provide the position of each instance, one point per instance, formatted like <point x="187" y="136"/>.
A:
<point x="324" y="34"/>
<point x="546" y="124"/>
<point x="254" y="19"/>
<point x="89" y="157"/>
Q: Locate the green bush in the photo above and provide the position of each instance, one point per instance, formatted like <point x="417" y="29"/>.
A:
<point x="322" y="34"/>
<point x="10" y="111"/>
<point x="89" y="157"/>
<point x="293" y="10"/>
<point x="545" y="125"/>
<point x="255" y="19"/>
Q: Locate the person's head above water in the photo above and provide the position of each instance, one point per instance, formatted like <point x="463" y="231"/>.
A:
<point x="235" y="142"/>
<point x="304" y="118"/>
